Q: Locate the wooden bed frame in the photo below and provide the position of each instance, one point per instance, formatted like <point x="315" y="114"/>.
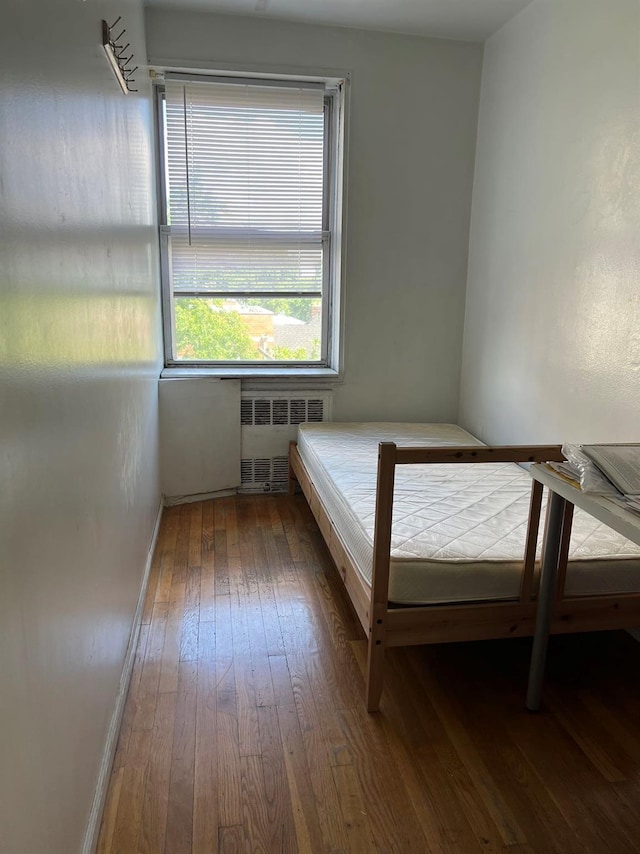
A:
<point x="388" y="626"/>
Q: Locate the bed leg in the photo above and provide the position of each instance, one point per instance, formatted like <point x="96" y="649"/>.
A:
<point x="380" y="574"/>
<point x="375" y="658"/>
<point x="375" y="674"/>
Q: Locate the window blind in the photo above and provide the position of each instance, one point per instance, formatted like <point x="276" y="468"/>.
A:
<point x="245" y="172"/>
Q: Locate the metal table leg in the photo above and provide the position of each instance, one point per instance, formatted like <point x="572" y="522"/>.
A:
<point x="548" y="578"/>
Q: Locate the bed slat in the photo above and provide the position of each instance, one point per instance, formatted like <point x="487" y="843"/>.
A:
<point x="480" y="454"/>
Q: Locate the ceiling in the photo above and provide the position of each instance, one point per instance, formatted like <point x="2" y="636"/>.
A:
<point x="470" y="20"/>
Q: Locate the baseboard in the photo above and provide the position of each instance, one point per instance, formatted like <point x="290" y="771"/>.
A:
<point x="172" y="500"/>
<point x="95" y="817"/>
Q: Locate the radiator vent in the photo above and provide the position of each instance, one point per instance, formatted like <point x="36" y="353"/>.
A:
<point x="268" y="423"/>
<point x="265" y="475"/>
<point x="280" y="411"/>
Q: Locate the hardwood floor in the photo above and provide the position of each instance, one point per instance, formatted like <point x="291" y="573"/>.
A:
<point x="245" y="728"/>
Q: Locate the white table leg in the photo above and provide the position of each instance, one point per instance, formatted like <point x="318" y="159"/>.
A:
<point x="546" y="594"/>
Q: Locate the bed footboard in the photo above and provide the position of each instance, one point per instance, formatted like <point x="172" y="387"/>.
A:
<point x="389" y="456"/>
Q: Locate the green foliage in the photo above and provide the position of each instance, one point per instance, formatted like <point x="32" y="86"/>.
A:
<point x="288" y="354"/>
<point x="299" y="354"/>
<point x="205" y="331"/>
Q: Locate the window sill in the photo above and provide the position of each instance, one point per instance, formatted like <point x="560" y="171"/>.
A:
<point x="306" y="374"/>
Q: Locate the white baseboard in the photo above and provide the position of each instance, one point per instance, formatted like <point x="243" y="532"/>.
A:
<point x="95" y="816"/>
<point x="172" y="500"/>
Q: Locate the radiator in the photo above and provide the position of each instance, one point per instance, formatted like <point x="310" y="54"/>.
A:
<point x="199" y="444"/>
<point x="268" y="424"/>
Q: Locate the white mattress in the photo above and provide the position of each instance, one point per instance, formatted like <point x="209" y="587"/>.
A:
<point x="458" y="530"/>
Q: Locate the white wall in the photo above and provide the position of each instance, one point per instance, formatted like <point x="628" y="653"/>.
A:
<point x="552" y="332"/>
<point x="412" y="136"/>
<point x="79" y="361"/>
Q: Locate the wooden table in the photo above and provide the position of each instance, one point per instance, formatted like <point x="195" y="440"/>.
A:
<point x="562" y="493"/>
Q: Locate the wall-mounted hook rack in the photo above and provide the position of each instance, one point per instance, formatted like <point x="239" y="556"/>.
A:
<point x="115" y="54"/>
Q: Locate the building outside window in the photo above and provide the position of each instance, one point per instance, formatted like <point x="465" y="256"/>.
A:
<point x="251" y="214"/>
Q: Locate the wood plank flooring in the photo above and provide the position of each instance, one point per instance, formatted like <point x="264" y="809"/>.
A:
<point x="245" y="728"/>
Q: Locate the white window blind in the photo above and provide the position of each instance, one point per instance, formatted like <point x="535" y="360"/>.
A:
<point x="246" y="177"/>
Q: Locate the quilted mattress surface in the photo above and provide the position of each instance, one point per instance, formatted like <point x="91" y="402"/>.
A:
<point x="458" y="530"/>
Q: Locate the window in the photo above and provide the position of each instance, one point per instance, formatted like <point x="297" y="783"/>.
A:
<point x="250" y="221"/>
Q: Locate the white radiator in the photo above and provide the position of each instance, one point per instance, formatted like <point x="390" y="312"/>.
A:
<point x="269" y="422"/>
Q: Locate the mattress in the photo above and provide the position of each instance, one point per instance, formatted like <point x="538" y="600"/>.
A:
<point x="459" y="530"/>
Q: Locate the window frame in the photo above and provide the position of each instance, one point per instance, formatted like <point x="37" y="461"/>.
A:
<point x="330" y="362"/>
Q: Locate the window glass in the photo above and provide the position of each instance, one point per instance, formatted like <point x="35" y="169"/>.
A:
<point x="248" y="208"/>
